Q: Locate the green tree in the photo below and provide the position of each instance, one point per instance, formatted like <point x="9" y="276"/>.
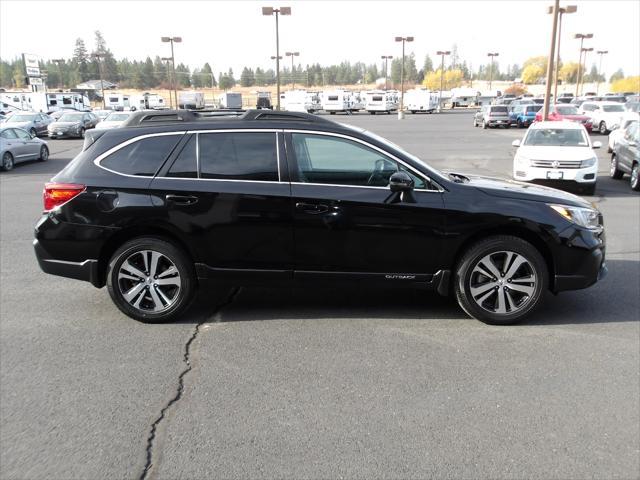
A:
<point x="617" y="75"/>
<point x="428" y="65"/>
<point x="81" y="60"/>
<point x="211" y="80"/>
<point x="260" y="77"/>
<point x="247" y="78"/>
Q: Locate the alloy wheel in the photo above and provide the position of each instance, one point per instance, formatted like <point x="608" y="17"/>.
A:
<point x="7" y="162"/>
<point x="635" y="177"/>
<point x="44" y="153"/>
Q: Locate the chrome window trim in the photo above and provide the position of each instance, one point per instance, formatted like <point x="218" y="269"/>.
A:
<point x="384" y="152"/>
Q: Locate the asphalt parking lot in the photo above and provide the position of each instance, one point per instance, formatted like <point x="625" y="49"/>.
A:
<point x="321" y="383"/>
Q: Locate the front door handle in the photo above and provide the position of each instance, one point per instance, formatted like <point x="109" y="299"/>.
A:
<point x="312" y="208"/>
<point x="182" y="199"/>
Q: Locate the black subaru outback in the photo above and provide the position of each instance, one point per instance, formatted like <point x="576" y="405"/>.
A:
<point x="175" y="198"/>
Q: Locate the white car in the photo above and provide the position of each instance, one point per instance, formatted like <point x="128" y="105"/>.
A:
<point x="618" y="133"/>
<point x="113" y="120"/>
<point x="605" y="116"/>
<point x="557" y="151"/>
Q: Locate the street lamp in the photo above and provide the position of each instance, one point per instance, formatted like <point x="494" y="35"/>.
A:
<point x="555" y="11"/>
<point x="582" y="37"/>
<point x="99" y="56"/>
<point x="292" y="54"/>
<point x="173" y="40"/>
<point x="59" y="62"/>
<point x="442" y="53"/>
<point x="401" y="110"/>
<point x="268" y="11"/>
<point x="601" y="53"/>
<point x="585" y="50"/>
<point x="561" y="11"/>
<point x="492" y="55"/>
<point x="386" y="59"/>
<point x="171" y="75"/>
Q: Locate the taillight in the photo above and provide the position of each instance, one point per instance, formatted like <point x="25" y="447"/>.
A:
<point x="56" y="194"/>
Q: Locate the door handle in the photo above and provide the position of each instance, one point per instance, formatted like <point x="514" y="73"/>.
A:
<point x="182" y="199"/>
<point x="312" y="208"/>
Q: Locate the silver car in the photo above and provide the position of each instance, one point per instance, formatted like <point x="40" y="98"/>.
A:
<point x="18" y="145"/>
<point x="33" y="122"/>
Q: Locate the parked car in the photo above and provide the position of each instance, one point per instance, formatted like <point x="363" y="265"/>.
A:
<point x="613" y="97"/>
<point x="155" y="209"/>
<point x="565" y="97"/>
<point x="72" y="125"/>
<point x="632" y="107"/>
<point x="605" y="116"/>
<point x="523" y="115"/>
<point x="102" y="114"/>
<point x="17" y="145"/>
<point x="564" y="112"/>
<point x="492" y="116"/>
<point x="113" y="120"/>
<point x="33" y="122"/>
<point x="557" y="152"/>
<point x="618" y="133"/>
<point x="626" y="156"/>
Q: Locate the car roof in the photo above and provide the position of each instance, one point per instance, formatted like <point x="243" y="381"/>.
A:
<point x="563" y="124"/>
<point x="604" y="102"/>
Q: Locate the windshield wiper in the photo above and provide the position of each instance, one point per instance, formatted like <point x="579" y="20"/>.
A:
<point x="458" y="178"/>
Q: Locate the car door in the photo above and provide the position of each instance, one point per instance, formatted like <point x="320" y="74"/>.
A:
<point x="228" y="190"/>
<point x="11" y="143"/>
<point x="29" y="147"/>
<point x="627" y="150"/>
<point x="347" y="222"/>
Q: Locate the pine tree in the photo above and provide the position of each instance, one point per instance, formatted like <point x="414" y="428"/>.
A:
<point x="80" y="59"/>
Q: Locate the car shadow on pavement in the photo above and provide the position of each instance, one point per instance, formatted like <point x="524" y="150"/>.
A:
<point x="608" y="187"/>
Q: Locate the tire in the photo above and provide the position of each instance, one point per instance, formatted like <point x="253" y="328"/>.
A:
<point x="372" y="113"/>
<point x="614" y="172"/>
<point x="590" y="190"/>
<point x="33" y="132"/>
<point x="603" y="128"/>
<point x="7" y="162"/>
<point x="82" y="133"/>
<point x="44" y="153"/>
<point x="173" y="297"/>
<point x="634" y="180"/>
<point x="507" y="126"/>
<point x="475" y="123"/>
<point x="484" y="124"/>
<point x="520" y="123"/>
<point x="489" y="255"/>
<point x="332" y="113"/>
<point x="413" y="111"/>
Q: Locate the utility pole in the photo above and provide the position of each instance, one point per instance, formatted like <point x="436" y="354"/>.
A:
<point x="601" y="53"/>
<point x="99" y="56"/>
<point x="563" y="10"/>
<point x="442" y="53"/>
<point x="386" y="59"/>
<point x="292" y="54"/>
<point x="268" y="11"/>
<point x="585" y="50"/>
<point x="492" y="55"/>
<point x="401" y="110"/>
<point x="582" y="37"/>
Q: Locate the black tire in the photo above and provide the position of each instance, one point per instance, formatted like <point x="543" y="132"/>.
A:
<point x="7" y="162"/>
<point x="372" y="113"/>
<point x="413" y="111"/>
<point x="44" y="153"/>
<point x="175" y="255"/>
<point x="332" y="113"/>
<point x="33" y="132"/>
<point x="614" y="172"/>
<point x="634" y="180"/>
<point x="520" y="123"/>
<point x="82" y="133"/>
<point x="484" y="124"/>
<point x="507" y="126"/>
<point x="590" y="189"/>
<point x="603" y="128"/>
<point x="492" y="246"/>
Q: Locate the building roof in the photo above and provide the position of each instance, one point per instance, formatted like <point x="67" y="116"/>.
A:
<point x="95" y="85"/>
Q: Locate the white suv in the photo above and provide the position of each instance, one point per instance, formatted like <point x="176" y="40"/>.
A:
<point x="557" y="152"/>
<point x="605" y="116"/>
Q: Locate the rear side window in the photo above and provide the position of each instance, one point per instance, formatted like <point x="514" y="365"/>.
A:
<point x="143" y="157"/>
<point x="185" y="165"/>
<point x="239" y="156"/>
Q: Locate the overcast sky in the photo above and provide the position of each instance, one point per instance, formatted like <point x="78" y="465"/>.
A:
<point x="234" y="33"/>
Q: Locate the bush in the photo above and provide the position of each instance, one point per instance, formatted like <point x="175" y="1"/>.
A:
<point x="516" y="90"/>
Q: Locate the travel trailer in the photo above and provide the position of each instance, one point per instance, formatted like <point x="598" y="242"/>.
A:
<point x="337" y="101"/>
<point x="464" y="97"/>
<point x="381" y="101"/>
<point x="421" y="100"/>
<point x="300" y="101"/>
<point x="230" y="100"/>
<point x="45" y="102"/>
<point x="191" y="100"/>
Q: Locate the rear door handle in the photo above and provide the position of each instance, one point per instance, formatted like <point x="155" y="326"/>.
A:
<point x="312" y="208"/>
<point x="182" y="199"/>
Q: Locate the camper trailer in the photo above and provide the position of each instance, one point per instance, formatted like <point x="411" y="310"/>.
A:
<point x="117" y="101"/>
<point x="45" y="102"/>
<point x="300" y="101"/>
<point x="380" y="101"/>
<point x="337" y="101"/>
<point x="230" y="100"/>
<point x="191" y="100"/>
<point x="464" y="97"/>
<point x="421" y="100"/>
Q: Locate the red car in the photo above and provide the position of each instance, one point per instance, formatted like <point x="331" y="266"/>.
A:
<point x="566" y="112"/>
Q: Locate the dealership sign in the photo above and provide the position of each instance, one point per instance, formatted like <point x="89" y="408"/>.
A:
<point x="31" y="65"/>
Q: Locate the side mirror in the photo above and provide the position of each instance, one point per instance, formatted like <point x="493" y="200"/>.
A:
<point x="400" y="182"/>
<point x="597" y="144"/>
<point x="32" y="135"/>
<point x="515" y="143"/>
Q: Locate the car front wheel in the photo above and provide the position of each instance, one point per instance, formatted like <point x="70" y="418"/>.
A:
<point x="603" y="128"/>
<point x="151" y="280"/>
<point x="7" y="162"/>
<point x="501" y="280"/>
<point x="614" y="171"/>
<point x="634" y="180"/>
<point x="44" y="153"/>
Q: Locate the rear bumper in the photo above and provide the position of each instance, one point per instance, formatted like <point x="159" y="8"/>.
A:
<point x="86" y="270"/>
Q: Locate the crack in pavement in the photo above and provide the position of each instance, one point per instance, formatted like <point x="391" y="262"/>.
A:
<point x="180" y="389"/>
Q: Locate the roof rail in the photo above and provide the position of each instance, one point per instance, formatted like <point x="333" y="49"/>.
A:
<point x="147" y="117"/>
<point x="275" y="115"/>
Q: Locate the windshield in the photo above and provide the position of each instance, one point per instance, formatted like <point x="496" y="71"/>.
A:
<point x="71" y="117"/>
<point x="533" y="108"/>
<point x="556" y="137"/>
<point x="567" y="110"/>
<point x="613" y="108"/>
<point x="116" y="117"/>
<point x="21" y="118"/>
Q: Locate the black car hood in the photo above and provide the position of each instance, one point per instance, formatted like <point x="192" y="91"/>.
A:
<point x="498" y="187"/>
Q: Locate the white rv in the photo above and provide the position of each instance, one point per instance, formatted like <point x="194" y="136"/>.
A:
<point x="464" y="97"/>
<point x="337" y="101"/>
<point x="421" y="100"/>
<point x="45" y="102"/>
<point x="300" y="101"/>
<point x="191" y="100"/>
<point x="117" y="101"/>
<point x="230" y="100"/>
<point x="381" y="101"/>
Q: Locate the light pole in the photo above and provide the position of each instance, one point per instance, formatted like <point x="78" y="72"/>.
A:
<point x="401" y="110"/>
<point x="582" y="37"/>
<point x="552" y="50"/>
<point x="386" y="59"/>
<point x="492" y="55"/>
<point x="171" y="76"/>
<point x="442" y="53"/>
<point x="601" y="53"/>
<point x="292" y="54"/>
<point x="585" y="50"/>
<point x="173" y="40"/>
<point x="562" y="11"/>
<point x="99" y="56"/>
<point x="268" y="11"/>
<point x="59" y="62"/>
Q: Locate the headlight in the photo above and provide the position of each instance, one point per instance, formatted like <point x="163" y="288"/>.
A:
<point x="585" y="217"/>
<point x="589" y="162"/>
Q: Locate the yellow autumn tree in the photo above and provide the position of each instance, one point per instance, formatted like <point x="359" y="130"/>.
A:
<point x="452" y="79"/>
<point x="569" y="72"/>
<point x="532" y="74"/>
<point x="629" y="84"/>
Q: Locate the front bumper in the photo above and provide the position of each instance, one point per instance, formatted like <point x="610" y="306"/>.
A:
<point x="63" y="134"/>
<point x="581" y="261"/>
<point x="583" y="176"/>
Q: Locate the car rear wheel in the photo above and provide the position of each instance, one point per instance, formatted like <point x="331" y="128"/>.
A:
<point x="614" y="172"/>
<point x="634" y="180"/>
<point x="44" y="153"/>
<point x="151" y="280"/>
<point x="501" y="280"/>
<point x="7" y="162"/>
<point x="603" y="128"/>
